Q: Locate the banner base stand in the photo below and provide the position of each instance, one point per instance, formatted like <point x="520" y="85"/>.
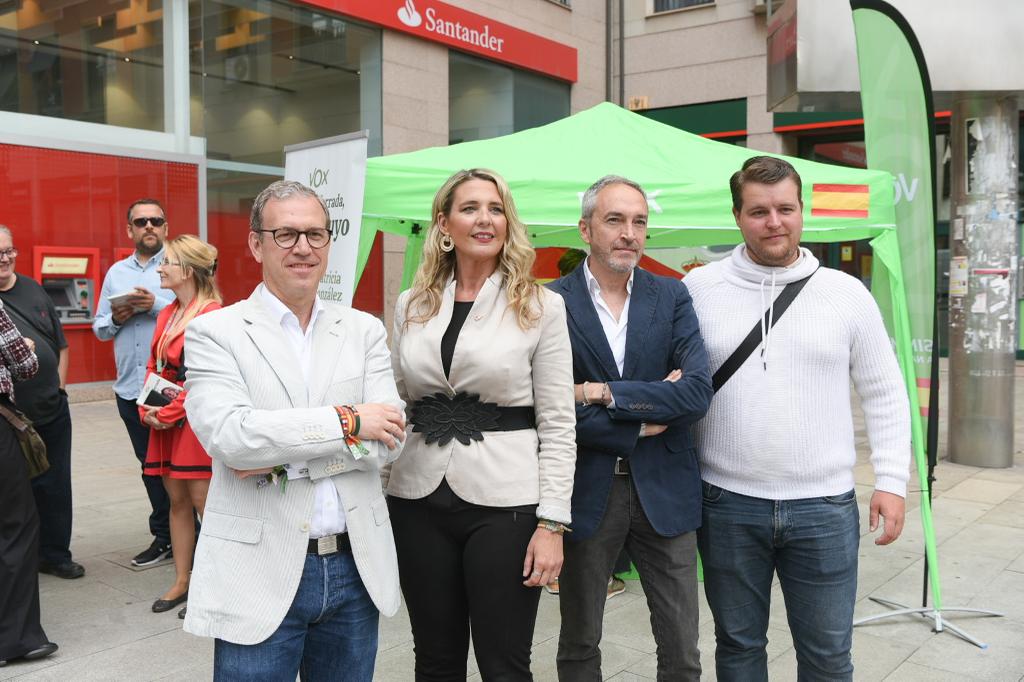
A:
<point x="930" y="613"/>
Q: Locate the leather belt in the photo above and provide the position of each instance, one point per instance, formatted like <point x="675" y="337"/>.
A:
<point x="329" y="544"/>
<point x="622" y="467"/>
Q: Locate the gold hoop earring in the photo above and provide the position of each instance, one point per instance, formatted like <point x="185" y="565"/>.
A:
<point x="447" y="243"/>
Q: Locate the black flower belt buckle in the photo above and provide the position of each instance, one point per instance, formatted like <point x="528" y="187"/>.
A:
<point x="464" y="417"/>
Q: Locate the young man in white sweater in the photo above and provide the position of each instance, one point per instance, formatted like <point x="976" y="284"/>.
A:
<point x="777" y="446"/>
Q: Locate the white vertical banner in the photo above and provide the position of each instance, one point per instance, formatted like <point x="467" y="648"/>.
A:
<point x="335" y="168"/>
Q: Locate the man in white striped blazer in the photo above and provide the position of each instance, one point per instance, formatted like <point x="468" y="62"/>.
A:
<point x="295" y="401"/>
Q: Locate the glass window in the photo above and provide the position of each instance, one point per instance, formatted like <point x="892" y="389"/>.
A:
<point x="98" y="62"/>
<point x="668" y="5"/>
<point x="268" y="74"/>
<point x="488" y="100"/>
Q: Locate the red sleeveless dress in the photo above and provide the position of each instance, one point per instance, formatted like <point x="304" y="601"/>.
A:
<point x="174" y="452"/>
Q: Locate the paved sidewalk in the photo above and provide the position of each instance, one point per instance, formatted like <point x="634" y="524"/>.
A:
<point x="106" y="631"/>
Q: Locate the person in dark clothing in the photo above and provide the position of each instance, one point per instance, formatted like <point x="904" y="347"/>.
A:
<point x="21" y="635"/>
<point x="43" y="399"/>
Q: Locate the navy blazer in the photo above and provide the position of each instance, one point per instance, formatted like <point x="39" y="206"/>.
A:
<point x="662" y="335"/>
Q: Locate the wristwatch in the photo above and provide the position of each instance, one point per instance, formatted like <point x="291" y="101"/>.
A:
<point x="643" y="429"/>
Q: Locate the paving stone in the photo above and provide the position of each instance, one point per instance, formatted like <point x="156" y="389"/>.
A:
<point x="106" y="630"/>
<point x="912" y="672"/>
<point x="1002" y="660"/>
<point x="980" y="490"/>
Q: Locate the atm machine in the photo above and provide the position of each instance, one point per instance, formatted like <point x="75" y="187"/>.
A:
<point x="70" y="276"/>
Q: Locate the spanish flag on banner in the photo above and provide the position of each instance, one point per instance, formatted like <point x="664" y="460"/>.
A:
<point x="839" y="201"/>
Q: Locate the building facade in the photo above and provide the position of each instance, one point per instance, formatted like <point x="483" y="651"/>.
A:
<point x="192" y="101"/>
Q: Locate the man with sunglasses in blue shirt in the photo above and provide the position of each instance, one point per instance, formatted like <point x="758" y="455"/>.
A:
<point x="130" y="321"/>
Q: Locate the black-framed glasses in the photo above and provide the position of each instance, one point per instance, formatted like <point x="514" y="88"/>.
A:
<point x="9" y="253"/>
<point x="286" y="237"/>
<point x="155" y="221"/>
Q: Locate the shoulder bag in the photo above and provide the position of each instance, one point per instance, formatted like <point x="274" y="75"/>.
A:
<point x="32" y="445"/>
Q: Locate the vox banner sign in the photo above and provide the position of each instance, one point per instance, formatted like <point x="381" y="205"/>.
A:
<point x="335" y="168"/>
<point x="463" y="30"/>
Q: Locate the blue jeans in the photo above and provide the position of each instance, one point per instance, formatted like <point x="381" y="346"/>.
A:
<point x="812" y="544"/>
<point x="329" y="633"/>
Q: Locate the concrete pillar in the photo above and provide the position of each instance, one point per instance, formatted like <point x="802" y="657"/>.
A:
<point x="983" y="279"/>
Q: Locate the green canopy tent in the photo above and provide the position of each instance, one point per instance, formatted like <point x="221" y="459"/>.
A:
<point x="549" y="167"/>
<point x="687" y="180"/>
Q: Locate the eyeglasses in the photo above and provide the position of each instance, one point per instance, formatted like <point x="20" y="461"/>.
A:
<point x="155" y="221"/>
<point x="11" y="253"/>
<point x="286" y="237"/>
<point x="167" y="262"/>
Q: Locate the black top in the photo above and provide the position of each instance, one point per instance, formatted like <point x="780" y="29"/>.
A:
<point x="33" y="314"/>
<point x="459" y="314"/>
<point x="451" y="334"/>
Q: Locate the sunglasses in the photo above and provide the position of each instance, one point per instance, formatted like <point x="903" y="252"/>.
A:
<point x="155" y="222"/>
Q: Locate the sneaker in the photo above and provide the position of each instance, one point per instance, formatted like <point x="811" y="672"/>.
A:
<point x="69" y="570"/>
<point x="156" y="553"/>
<point x="552" y="587"/>
<point x="615" y="587"/>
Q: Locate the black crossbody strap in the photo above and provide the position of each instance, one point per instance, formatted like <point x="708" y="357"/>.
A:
<point x="743" y="351"/>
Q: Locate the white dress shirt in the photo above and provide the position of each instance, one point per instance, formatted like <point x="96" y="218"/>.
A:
<point x="614" y="330"/>
<point x="328" y="511"/>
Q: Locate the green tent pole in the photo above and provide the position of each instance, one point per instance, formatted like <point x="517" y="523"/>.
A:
<point x="887" y="247"/>
<point x="366" y="236"/>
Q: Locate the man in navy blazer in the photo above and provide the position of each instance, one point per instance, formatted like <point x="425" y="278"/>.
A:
<point x="641" y="376"/>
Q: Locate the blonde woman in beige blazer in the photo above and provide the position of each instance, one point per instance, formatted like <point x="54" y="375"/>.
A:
<point x="480" y="499"/>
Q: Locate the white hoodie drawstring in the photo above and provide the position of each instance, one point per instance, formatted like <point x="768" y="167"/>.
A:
<point x="766" y="329"/>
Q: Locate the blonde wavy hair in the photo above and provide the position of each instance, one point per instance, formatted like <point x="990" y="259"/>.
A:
<point x="515" y="262"/>
<point x="198" y="260"/>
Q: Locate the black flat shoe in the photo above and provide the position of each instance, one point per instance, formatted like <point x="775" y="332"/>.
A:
<point x="69" y="570"/>
<point x="40" y="652"/>
<point x="161" y="605"/>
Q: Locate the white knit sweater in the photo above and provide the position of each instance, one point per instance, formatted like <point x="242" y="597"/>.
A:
<point x="782" y="427"/>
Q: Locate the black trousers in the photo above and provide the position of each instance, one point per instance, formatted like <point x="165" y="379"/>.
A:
<point x="52" y="490"/>
<point x="159" y="524"/>
<point x="20" y="631"/>
<point x="461" y="569"/>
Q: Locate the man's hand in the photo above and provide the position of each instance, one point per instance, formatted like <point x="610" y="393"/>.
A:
<point x="30" y="343"/>
<point x="152" y="422"/>
<point x="121" y="313"/>
<point x="246" y="473"/>
<point x="543" y="558"/>
<point x="378" y="421"/>
<point x="890" y="507"/>
<point x="674" y="376"/>
<point x="654" y="430"/>
<point x="142" y="300"/>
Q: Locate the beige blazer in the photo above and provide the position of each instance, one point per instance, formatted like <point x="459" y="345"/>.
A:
<point x="250" y="408"/>
<point x="503" y="364"/>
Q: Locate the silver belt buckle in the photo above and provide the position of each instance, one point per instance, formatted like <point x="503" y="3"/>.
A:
<point x="328" y="544"/>
<point x="619" y="471"/>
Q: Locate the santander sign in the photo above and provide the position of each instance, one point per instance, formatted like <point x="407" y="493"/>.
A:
<point x="460" y="29"/>
<point x="436" y="23"/>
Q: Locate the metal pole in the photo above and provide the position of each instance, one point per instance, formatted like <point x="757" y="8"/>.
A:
<point x="608" y="50"/>
<point x="983" y="279"/>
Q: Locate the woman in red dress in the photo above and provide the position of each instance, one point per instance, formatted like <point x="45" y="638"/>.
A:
<point x="174" y="452"/>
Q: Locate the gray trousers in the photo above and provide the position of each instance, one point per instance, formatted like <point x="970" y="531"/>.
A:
<point x="668" y="573"/>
